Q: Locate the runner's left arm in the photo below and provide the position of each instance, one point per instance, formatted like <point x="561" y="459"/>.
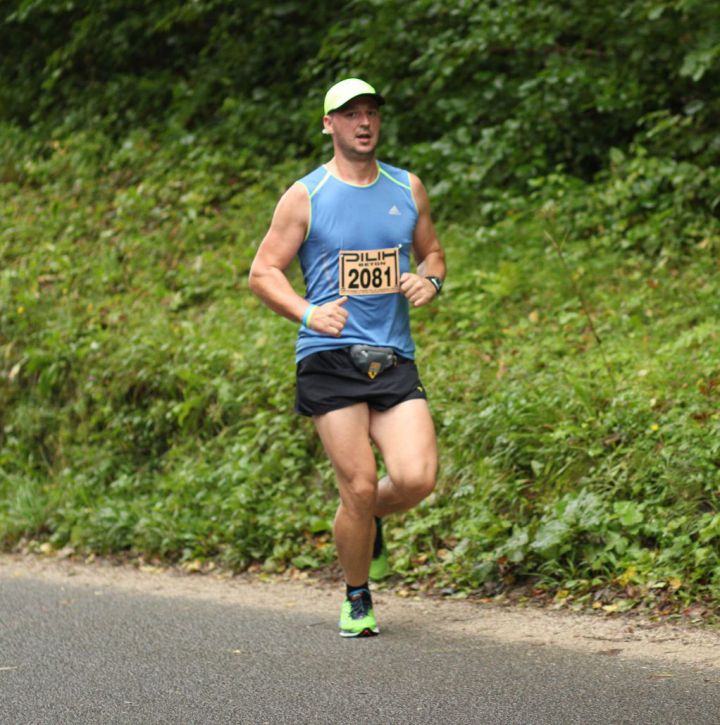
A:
<point x="429" y="254"/>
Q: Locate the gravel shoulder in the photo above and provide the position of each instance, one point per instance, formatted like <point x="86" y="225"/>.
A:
<point x="621" y="636"/>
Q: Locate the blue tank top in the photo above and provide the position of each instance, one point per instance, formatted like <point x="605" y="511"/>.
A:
<point x="343" y="217"/>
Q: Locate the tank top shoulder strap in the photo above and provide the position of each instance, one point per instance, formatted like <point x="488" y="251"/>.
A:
<point x="315" y="180"/>
<point x="399" y="177"/>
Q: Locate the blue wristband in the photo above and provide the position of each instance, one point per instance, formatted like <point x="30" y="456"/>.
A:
<point x="308" y="314"/>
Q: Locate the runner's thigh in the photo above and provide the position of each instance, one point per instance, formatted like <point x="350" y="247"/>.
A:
<point x="405" y="435"/>
<point x="345" y="435"/>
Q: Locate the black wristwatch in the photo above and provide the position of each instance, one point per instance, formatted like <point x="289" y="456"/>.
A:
<point x="437" y="283"/>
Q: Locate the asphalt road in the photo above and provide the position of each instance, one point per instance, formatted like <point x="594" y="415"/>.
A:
<point x="69" y="654"/>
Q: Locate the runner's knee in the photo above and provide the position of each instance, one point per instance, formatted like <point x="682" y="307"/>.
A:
<point x="415" y="485"/>
<point x="359" y="495"/>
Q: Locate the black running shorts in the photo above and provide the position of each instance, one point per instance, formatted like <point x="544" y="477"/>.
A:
<point x="328" y="380"/>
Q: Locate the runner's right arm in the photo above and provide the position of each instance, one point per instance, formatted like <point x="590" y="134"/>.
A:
<point x="281" y="244"/>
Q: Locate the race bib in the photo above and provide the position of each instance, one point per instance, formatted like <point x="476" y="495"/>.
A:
<point x="370" y="272"/>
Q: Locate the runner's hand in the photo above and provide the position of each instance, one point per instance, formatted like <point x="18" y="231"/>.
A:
<point x="330" y="318"/>
<point x="418" y="290"/>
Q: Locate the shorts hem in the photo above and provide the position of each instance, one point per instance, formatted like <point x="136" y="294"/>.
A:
<point x="414" y="395"/>
<point x="328" y="408"/>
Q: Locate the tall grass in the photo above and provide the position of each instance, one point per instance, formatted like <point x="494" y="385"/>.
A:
<point x="146" y="397"/>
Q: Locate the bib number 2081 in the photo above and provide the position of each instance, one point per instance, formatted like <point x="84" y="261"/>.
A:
<point x="370" y="272"/>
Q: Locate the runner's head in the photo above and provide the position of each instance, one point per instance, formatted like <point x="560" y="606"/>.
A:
<point x="343" y="93"/>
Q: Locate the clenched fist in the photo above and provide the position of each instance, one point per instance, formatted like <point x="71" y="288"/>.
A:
<point x="329" y="318"/>
<point x="418" y="290"/>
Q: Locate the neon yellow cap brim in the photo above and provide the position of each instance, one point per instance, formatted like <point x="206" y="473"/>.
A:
<point x="344" y="91"/>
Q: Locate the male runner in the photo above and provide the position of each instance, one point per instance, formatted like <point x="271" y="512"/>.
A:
<point x="353" y="223"/>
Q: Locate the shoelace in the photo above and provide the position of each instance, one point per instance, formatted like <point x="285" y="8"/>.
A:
<point x="358" y="608"/>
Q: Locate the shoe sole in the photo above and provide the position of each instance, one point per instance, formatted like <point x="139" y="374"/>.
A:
<point x="367" y="632"/>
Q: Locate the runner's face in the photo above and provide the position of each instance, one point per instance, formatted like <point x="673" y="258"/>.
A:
<point x="355" y="128"/>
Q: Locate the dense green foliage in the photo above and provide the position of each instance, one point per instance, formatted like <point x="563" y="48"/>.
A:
<point x="570" y="150"/>
<point x="481" y="94"/>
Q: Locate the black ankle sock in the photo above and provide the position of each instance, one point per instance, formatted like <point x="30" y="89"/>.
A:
<point x="364" y="588"/>
<point x="378" y="544"/>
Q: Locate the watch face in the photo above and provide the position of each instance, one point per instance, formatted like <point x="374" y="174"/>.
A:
<point x="437" y="282"/>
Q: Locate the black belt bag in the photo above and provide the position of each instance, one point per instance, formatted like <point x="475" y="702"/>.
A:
<point x="372" y="361"/>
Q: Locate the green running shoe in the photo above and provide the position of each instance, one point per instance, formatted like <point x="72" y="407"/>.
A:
<point x="356" y="616"/>
<point x="380" y="564"/>
<point x="380" y="567"/>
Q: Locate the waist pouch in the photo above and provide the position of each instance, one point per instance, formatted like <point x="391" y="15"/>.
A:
<point x="372" y="361"/>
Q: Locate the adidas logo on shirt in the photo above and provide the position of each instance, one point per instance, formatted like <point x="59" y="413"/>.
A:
<point x="394" y="211"/>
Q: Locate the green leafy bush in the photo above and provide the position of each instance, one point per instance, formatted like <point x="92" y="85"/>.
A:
<point x="491" y="94"/>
